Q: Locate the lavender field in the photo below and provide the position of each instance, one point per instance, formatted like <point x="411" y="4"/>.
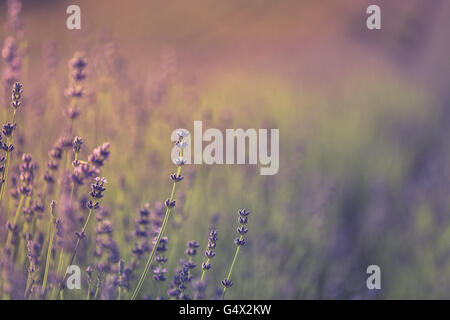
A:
<point x="91" y="117"/>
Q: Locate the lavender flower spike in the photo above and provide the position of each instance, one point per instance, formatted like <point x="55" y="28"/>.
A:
<point x="170" y="204"/>
<point x="240" y="241"/>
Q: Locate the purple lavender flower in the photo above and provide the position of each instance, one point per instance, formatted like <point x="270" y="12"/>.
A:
<point x="242" y="230"/>
<point x="159" y="274"/>
<point x="209" y="253"/>
<point x="99" y="155"/>
<point x="170" y="204"/>
<point x="14" y="18"/>
<point x="33" y="254"/>
<point x="77" y="74"/>
<point x="105" y="227"/>
<point x="17" y="92"/>
<point x="176" y="177"/>
<point x="227" y="283"/>
<point x="77" y="142"/>
<point x="240" y="241"/>
<point x="73" y="112"/>
<point x="10" y="54"/>
<point x="177" y="285"/>
<point x="191" y="249"/>
<point x="98" y="188"/>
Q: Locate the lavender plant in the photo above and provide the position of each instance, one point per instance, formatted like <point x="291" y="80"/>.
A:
<point x="92" y="204"/>
<point x="8" y="131"/>
<point x="37" y="233"/>
<point x="210" y="252"/>
<point x="170" y="203"/>
<point x="53" y="227"/>
<point x="239" y="241"/>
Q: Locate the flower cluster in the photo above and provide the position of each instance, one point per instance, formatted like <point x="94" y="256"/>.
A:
<point x="54" y="158"/>
<point x="159" y="273"/>
<point x="141" y="232"/>
<point x="242" y="230"/>
<point x="178" y="286"/>
<point x="96" y="160"/>
<point x="77" y="74"/>
<point x="33" y="254"/>
<point x="106" y="249"/>
<point x="77" y="142"/>
<point x="210" y="252"/>
<point x="239" y="241"/>
<point x="96" y="193"/>
<point x="99" y="155"/>
<point x="14" y="18"/>
<point x="9" y="127"/>
<point x="26" y="169"/>
<point x="10" y="54"/>
<point x="191" y="248"/>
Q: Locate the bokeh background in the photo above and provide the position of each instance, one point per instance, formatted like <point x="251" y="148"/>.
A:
<point x="363" y="116"/>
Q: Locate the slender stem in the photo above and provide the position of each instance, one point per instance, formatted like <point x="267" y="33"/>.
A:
<point x="158" y="239"/>
<point x="25" y="229"/>
<point x="7" y="161"/>
<point x="30" y="285"/>
<point x="27" y="288"/>
<point x="76" y="247"/>
<point x="88" y="295"/>
<point x="204" y="271"/>
<point x="73" y="183"/>
<point x="232" y="266"/>
<point x="49" y="251"/>
<point x="5" y="172"/>
<point x="97" y="290"/>
<point x="152" y="254"/>
<point x="16" y="218"/>
<point x="58" y="271"/>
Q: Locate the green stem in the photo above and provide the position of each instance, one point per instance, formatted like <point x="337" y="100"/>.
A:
<point x="204" y="271"/>
<point x="152" y="254"/>
<point x="158" y="239"/>
<point x="58" y="271"/>
<point x="88" y="295"/>
<point x="97" y="290"/>
<point x="232" y="266"/>
<point x="72" y="259"/>
<point x="73" y="183"/>
<point x="16" y="218"/>
<point x="49" y="251"/>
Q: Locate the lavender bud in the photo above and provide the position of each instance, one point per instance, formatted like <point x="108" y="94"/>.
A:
<point x="206" y="266"/>
<point x="239" y="241"/>
<point x="227" y="283"/>
<point x="242" y="230"/>
<point x="170" y="204"/>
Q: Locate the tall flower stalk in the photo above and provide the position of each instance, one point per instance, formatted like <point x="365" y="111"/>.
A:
<point x="8" y="131"/>
<point x="209" y="253"/>
<point x="170" y="203"/>
<point x="239" y="241"/>
<point x="50" y="245"/>
<point x="96" y="193"/>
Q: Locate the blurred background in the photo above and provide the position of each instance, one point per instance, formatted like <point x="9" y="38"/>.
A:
<point x="363" y="116"/>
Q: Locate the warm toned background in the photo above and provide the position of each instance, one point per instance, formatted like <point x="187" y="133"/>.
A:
<point x="363" y="117"/>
